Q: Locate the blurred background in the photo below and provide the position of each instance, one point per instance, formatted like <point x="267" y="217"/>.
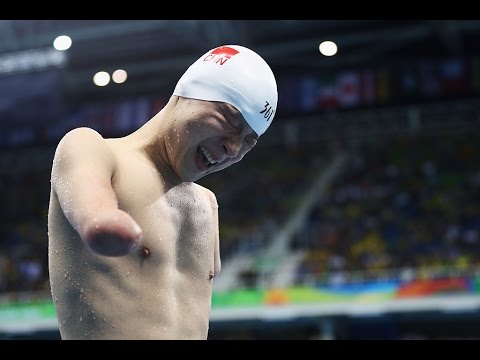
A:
<point x="357" y="216"/>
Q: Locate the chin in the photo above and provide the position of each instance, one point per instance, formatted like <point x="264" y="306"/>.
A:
<point x="196" y="177"/>
<point x="190" y="177"/>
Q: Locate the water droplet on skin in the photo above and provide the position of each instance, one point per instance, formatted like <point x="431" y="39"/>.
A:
<point x="96" y="226"/>
<point x="81" y="290"/>
<point x="128" y="273"/>
<point x="165" y="328"/>
<point x="65" y="275"/>
<point x="104" y="320"/>
<point x="81" y="319"/>
<point x="113" y="326"/>
<point x="118" y="292"/>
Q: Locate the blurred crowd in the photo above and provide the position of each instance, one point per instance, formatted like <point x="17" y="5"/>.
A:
<point x="23" y="230"/>
<point x="406" y="204"/>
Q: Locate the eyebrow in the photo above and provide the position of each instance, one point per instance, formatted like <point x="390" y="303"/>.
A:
<point x="227" y="109"/>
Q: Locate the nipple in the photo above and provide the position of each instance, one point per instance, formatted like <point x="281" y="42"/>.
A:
<point x="144" y="252"/>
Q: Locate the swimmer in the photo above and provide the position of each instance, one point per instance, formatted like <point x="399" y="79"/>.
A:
<point x="133" y="240"/>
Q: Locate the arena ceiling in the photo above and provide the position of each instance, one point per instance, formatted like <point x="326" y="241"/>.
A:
<point x="156" y="52"/>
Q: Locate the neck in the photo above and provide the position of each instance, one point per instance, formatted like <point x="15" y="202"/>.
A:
<point x="152" y="137"/>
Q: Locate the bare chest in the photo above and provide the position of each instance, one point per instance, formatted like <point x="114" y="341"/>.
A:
<point x="177" y="221"/>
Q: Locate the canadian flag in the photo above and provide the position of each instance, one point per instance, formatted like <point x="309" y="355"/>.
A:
<point x="328" y="97"/>
<point x="348" y="89"/>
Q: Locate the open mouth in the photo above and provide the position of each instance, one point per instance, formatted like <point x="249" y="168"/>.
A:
<point x="206" y="157"/>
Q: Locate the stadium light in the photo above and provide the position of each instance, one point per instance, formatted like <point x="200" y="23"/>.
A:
<point x="119" y="76"/>
<point x="101" y="78"/>
<point x="328" y="48"/>
<point x="62" y="42"/>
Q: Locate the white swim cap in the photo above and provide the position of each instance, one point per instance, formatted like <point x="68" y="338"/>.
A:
<point x="235" y="75"/>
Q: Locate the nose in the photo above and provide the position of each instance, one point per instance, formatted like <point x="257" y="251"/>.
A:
<point x="232" y="146"/>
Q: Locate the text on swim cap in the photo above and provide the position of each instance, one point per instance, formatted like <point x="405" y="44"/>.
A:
<point x="267" y="111"/>
<point x="220" y="55"/>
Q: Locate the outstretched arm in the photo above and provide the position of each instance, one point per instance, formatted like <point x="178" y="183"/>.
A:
<point x="82" y="171"/>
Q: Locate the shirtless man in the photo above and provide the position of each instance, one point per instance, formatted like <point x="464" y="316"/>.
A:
<point x="133" y="240"/>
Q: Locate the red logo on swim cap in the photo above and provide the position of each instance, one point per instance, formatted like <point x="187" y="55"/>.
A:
<point x="225" y="51"/>
<point x="220" y="55"/>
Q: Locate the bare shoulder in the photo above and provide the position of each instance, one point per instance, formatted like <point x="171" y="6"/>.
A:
<point x="82" y="137"/>
<point x="208" y="193"/>
<point x="83" y="146"/>
<point x="80" y="141"/>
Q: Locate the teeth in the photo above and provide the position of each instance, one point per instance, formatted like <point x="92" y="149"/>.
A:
<point x="207" y="155"/>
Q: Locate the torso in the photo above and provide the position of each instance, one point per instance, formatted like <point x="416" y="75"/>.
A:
<point x="162" y="291"/>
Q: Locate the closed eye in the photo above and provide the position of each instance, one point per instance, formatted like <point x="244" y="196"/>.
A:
<point x="233" y="122"/>
<point x="236" y="124"/>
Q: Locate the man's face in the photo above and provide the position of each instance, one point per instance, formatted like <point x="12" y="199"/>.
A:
<point x="207" y="137"/>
